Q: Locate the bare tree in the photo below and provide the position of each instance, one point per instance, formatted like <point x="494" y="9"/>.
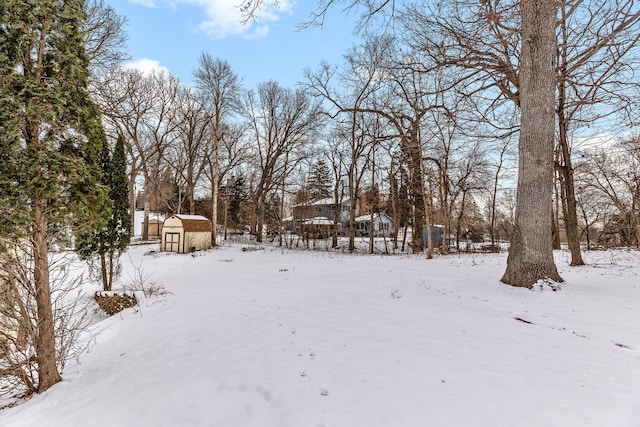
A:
<point x="233" y="151"/>
<point x="358" y="84"/>
<point x="530" y="254"/>
<point x="593" y="207"/>
<point x="142" y="108"/>
<point x="508" y="48"/>
<point x="500" y="163"/>
<point x="188" y="152"/>
<point x="615" y="175"/>
<point x="384" y="89"/>
<point x="125" y="97"/>
<point x="459" y="158"/>
<point x="596" y="43"/>
<point x="282" y="123"/>
<point x="19" y="317"/>
<point x="590" y="74"/>
<point x="336" y="155"/>
<point x="220" y="87"/>
<point x="104" y="37"/>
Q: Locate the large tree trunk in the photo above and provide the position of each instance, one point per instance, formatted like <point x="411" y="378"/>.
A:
<point x="48" y="374"/>
<point x="412" y="147"/>
<point x="530" y="255"/>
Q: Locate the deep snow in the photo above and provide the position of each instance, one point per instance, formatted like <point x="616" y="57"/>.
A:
<point x="279" y="338"/>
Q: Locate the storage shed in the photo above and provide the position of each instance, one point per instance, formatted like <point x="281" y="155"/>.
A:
<point x="185" y="233"/>
<point x="155" y="227"/>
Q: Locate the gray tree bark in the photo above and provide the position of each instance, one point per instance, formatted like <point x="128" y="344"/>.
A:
<point x="48" y="374"/>
<point x="530" y="255"/>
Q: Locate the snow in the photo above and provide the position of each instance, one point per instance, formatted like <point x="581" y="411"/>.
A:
<point x="192" y="217"/>
<point x="279" y="338"/>
<point x="327" y="201"/>
<point x="367" y="217"/>
<point x="319" y="220"/>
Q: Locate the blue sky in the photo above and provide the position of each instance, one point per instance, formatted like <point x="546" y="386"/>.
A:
<point x="173" y="33"/>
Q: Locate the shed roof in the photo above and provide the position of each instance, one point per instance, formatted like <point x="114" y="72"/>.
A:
<point x="194" y="222"/>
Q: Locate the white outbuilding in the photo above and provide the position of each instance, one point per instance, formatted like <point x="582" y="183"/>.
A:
<point x="185" y="233"/>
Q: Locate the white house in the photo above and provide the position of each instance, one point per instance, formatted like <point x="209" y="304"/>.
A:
<point x="185" y="233"/>
<point x="382" y="225"/>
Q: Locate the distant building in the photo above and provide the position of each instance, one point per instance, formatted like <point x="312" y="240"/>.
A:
<point x="316" y="219"/>
<point x="321" y="208"/>
<point x="317" y="228"/>
<point x="382" y="225"/>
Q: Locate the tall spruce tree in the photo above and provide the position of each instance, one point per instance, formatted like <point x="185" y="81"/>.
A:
<point x="49" y="157"/>
<point x="319" y="182"/>
<point x="112" y="240"/>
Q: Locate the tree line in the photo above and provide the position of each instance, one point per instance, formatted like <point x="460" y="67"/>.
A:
<point x="429" y="117"/>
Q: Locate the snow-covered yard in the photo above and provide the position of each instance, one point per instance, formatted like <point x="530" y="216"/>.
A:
<point x="281" y="338"/>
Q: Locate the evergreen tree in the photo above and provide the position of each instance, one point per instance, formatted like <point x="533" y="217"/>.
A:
<point x="109" y="242"/>
<point x="121" y="220"/>
<point x="237" y="196"/>
<point x="48" y="124"/>
<point x="319" y="183"/>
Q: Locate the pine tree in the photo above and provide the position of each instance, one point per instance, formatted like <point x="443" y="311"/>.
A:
<point x="319" y="181"/>
<point x="237" y="196"/>
<point x="120" y="219"/>
<point x="48" y="125"/>
<point x="110" y="241"/>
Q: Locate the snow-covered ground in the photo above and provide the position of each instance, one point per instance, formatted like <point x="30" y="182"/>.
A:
<point x="281" y="338"/>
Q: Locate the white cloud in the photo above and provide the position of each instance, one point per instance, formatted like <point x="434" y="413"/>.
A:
<point x="145" y="3"/>
<point x="223" y="18"/>
<point x="146" y="66"/>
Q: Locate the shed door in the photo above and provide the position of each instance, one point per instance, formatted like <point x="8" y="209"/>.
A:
<point x="172" y="242"/>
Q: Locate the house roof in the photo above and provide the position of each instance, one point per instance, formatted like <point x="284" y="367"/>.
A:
<point x="319" y="220"/>
<point x="329" y="201"/>
<point x="194" y="222"/>
<point x="367" y="217"/>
